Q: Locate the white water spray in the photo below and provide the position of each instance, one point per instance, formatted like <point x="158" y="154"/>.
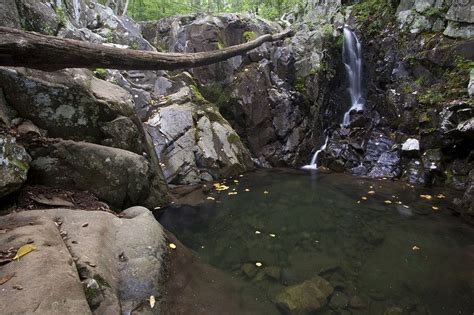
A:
<point x="76" y="8"/>
<point x="352" y="58"/>
<point x="313" y="165"/>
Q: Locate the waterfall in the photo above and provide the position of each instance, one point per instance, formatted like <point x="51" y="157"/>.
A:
<point x="352" y="58"/>
<point x="76" y="7"/>
<point x="314" y="160"/>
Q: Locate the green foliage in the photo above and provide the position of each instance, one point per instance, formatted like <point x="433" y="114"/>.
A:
<point x="156" y="9"/>
<point x="233" y="138"/>
<point x="374" y="15"/>
<point x="452" y="84"/>
<point x="430" y="97"/>
<point x="197" y="94"/>
<point x="61" y="16"/>
<point x="434" y="12"/>
<point x="109" y="37"/>
<point x="300" y="85"/>
<point x="327" y="30"/>
<point x="249" y="35"/>
<point x="134" y="46"/>
<point x="100" y="73"/>
<point x="218" y="94"/>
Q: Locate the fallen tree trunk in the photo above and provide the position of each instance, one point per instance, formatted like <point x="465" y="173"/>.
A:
<point x="27" y="49"/>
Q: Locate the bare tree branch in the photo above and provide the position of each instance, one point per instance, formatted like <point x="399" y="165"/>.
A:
<point x="27" y="49"/>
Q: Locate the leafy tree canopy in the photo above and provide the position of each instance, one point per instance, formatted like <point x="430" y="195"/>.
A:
<point x="156" y="9"/>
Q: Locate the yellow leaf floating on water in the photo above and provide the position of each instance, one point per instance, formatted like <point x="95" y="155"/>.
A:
<point x="232" y="193"/>
<point x="435" y="208"/>
<point x="427" y="197"/>
<point x="415" y="248"/>
<point x="211" y="198"/>
<point x="272" y="235"/>
<point x="247" y="190"/>
<point x="257" y="232"/>
<point x="172" y="245"/>
<point x="265" y="192"/>
<point x="152" y="301"/>
<point x="22" y="251"/>
<point x="220" y="187"/>
<point x="371" y="192"/>
<point x="258" y="264"/>
<point x="363" y="198"/>
<point x="440" y="196"/>
<point x="387" y="201"/>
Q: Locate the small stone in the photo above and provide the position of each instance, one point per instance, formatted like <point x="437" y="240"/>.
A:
<point x="249" y="270"/>
<point x="338" y="300"/>
<point x="304" y="298"/>
<point x="273" y="272"/>
<point x="394" y="310"/>
<point x="357" y="302"/>
<point x="17" y="287"/>
<point x="85" y="225"/>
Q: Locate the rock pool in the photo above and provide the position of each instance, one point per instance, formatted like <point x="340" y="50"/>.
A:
<point x="385" y="247"/>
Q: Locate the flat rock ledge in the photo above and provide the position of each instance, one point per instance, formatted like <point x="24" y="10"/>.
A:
<point x="85" y="262"/>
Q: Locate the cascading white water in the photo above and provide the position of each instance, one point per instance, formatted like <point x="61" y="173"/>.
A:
<point x="76" y="8"/>
<point x="352" y="58"/>
<point x="313" y="165"/>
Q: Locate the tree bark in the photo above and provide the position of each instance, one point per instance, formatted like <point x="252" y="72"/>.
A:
<point x="27" y="49"/>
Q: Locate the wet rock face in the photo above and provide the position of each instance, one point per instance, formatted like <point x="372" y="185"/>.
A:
<point x="119" y="177"/>
<point x="257" y="92"/>
<point x="267" y="116"/>
<point x="14" y="165"/>
<point x="198" y="33"/>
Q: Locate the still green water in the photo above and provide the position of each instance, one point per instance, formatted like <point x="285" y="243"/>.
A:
<point x="398" y="252"/>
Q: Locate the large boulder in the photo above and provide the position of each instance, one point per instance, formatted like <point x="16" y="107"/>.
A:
<point x="73" y="104"/>
<point x="193" y="141"/>
<point x="14" y="165"/>
<point x="9" y="16"/>
<point x="84" y="262"/>
<point x="38" y="16"/>
<point x="119" y="177"/>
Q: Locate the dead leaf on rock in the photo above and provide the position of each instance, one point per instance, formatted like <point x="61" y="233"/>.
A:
<point x="22" y="251"/>
<point x="6" y="278"/>
<point x="152" y="301"/>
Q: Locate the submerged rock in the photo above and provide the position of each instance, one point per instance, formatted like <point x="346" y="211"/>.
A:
<point x="304" y="298"/>
<point x="338" y="301"/>
<point x="14" y="165"/>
